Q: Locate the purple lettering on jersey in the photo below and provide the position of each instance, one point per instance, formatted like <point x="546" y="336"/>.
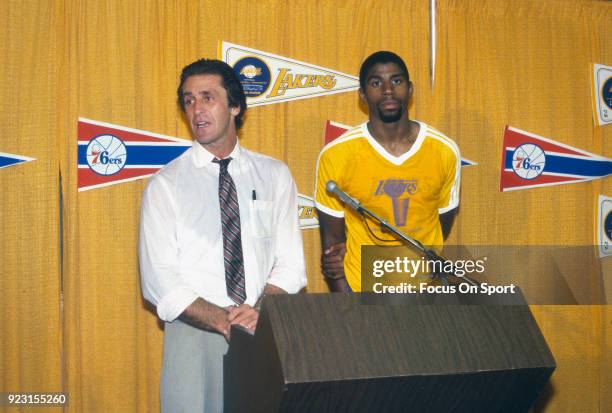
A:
<point x="394" y="189"/>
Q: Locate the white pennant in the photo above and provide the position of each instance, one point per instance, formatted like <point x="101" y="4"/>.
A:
<point x="268" y="78"/>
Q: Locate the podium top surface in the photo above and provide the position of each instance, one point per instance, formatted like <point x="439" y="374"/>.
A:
<point x="327" y="337"/>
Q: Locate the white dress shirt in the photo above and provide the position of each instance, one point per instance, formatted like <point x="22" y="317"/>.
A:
<point x="181" y="244"/>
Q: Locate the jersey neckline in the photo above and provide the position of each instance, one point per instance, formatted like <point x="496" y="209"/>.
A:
<point x="396" y="160"/>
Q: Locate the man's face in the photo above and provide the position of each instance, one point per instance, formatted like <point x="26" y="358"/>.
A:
<point x="387" y="91"/>
<point x="207" y="109"/>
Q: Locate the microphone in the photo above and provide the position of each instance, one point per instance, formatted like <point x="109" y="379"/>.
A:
<point x="332" y="187"/>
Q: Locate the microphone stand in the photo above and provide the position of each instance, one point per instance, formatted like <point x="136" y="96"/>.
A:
<point x="429" y="253"/>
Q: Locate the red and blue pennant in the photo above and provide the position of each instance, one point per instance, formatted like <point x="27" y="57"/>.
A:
<point x="9" y="159"/>
<point x="531" y="161"/>
<point x="111" y="154"/>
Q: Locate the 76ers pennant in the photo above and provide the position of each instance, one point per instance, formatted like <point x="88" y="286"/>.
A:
<point x="531" y="161"/>
<point x="110" y="154"/>
<point x="9" y="159"/>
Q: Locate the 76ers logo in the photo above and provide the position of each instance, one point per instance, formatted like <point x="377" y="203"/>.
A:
<point x="528" y="161"/>
<point x="106" y="154"/>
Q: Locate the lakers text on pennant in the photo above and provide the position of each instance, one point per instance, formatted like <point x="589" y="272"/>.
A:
<point x="268" y="78"/>
<point x="307" y="212"/>
<point x="531" y="161"/>
<point x="111" y="154"/>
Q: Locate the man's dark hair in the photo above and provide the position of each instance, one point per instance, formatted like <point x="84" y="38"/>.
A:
<point x="229" y="81"/>
<point x="380" y="57"/>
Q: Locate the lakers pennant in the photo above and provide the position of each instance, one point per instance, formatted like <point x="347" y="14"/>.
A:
<point x="268" y="78"/>
<point x="307" y="212"/>
<point x="604" y="225"/>
<point x="602" y="94"/>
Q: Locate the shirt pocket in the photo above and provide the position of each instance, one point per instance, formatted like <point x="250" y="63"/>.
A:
<point x="262" y="218"/>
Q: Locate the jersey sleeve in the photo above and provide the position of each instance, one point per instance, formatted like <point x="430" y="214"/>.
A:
<point x="449" y="195"/>
<point x="329" y="167"/>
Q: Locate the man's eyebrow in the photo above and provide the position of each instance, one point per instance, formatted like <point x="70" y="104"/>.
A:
<point x="201" y="93"/>
<point x="206" y="92"/>
<point x="391" y="76"/>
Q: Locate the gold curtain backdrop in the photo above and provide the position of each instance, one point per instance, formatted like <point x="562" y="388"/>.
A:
<point x="30" y="309"/>
<point x="524" y="64"/>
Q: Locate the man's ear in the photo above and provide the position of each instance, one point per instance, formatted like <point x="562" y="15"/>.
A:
<point x="410" y="88"/>
<point x="235" y="110"/>
<point x="362" y="95"/>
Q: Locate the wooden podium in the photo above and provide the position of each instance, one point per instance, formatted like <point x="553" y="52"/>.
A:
<point x="350" y="353"/>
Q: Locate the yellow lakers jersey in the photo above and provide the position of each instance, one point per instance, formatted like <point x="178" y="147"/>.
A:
<point x="408" y="191"/>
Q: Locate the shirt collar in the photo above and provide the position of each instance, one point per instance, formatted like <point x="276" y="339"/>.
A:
<point x="202" y="157"/>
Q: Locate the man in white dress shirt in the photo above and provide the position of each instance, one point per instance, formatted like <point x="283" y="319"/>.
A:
<point x="186" y="253"/>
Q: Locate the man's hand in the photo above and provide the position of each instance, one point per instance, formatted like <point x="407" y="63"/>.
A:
<point x="207" y="316"/>
<point x="332" y="261"/>
<point x="333" y="243"/>
<point x="222" y="325"/>
<point x="244" y="315"/>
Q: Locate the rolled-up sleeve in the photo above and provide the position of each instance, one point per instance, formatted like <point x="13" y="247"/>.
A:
<point x="289" y="271"/>
<point x="161" y="282"/>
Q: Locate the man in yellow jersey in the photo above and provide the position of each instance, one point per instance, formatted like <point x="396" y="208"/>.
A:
<point x="401" y="169"/>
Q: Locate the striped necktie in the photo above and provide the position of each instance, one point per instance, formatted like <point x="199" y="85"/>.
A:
<point x="232" y="241"/>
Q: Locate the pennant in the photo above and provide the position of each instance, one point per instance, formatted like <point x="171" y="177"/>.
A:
<point x="604" y="226"/>
<point x="334" y="129"/>
<point x="268" y="78"/>
<point x="602" y="94"/>
<point x="531" y="161"/>
<point x="8" y="159"/>
<point x="307" y="212"/>
<point x="111" y="154"/>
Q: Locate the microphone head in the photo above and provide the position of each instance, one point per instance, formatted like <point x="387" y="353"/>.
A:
<point x="331" y="186"/>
